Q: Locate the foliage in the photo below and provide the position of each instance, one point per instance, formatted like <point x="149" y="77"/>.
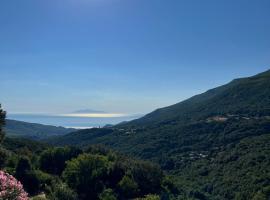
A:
<point x="86" y="175"/>
<point x="151" y="197"/>
<point x="3" y="157"/>
<point x="14" y="128"/>
<point x="107" y="194"/>
<point x="239" y="171"/>
<point x="53" y="160"/>
<point x="89" y="174"/>
<point x="27" y="177"/>
<point x="38" y="197"/>
<point x="95" y="173"/>
<point x="128" y="187"/>
<point x="262" y="194"/>
<point x="148" y="176"/>
<point x="2" y="123"/>
<point x="17" y="145"/>
<point x="62" y="192"/>
<point x="102" y="169"/>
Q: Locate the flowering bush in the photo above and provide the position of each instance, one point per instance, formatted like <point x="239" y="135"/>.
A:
<point x="10" y="188"/>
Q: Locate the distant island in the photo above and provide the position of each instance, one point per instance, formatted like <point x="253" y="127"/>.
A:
<point x="87" y="111"/>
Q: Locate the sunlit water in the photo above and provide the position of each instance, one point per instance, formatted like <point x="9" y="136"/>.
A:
<point x="70" y="122"/>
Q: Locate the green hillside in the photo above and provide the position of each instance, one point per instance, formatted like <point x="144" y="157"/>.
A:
<point x="32" y="130"/>
<point x="195" y="140"/>
<point x="245" y="96"/>
<point x="238" y="171"/>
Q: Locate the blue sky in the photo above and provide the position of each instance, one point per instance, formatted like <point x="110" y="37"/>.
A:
<point x="125" y="56"/>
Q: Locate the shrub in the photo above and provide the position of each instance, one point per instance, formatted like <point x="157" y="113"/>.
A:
<point x="3" y="157"/>
<point x="10" y="188"/>
<point x="87" y="175"/>
<point x="151" y="197"/>
<point x="53" y="160"/>
<point x="63" y="192"/>
<point x="2" y="123"/>
<point x="107" y="194"/>
<point x="128" y="187"/>
<point x="148" y="176"/>
<point x="39" y="197"/>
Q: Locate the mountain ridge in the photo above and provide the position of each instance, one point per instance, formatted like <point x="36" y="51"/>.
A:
<point x="217" y="93"/>
<point x="247" y="102"/>
<point x="15" y="128"/>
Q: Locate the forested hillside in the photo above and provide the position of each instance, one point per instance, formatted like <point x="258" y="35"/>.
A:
<point x="215" y="143"/>
<point x="244" y="97"/>
<point x="33" y="130"/>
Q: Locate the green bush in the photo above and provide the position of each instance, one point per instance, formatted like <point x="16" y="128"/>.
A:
<point x="38" y="197"/>
<point x="87" y="175"/>
<point x="128" y="187"/>
<point x="150" y="197"/>
<point x="53" y="160"/>
<point x="3" y="158"/>
<point x="2" y="123"/>
<point x="62" y="192"/>
<point x="107" y="194"/>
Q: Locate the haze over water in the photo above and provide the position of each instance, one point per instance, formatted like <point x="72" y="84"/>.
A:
<point x="69" y="121"/>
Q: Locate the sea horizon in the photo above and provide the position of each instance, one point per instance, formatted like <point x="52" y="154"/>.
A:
<point x="71" y="122"/>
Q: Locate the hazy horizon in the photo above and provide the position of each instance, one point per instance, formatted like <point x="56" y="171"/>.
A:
<point x="77" y="122"/>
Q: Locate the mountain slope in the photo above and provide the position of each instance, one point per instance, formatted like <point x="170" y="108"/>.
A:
<point x="239" y="171"/>
<point x="245" y="96"/>
<point x="33" y="130"/>
<point x="218" y="116"/>
<point x="215" y="142"/>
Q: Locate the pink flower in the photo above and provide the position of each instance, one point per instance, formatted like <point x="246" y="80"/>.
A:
<point x="10" y="188"/>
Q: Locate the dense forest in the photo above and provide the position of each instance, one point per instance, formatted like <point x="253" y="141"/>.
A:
<point x="70" y="173"/>
<point x="217" y="160"/>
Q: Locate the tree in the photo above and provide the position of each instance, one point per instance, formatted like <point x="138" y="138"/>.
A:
<point x="3" y="157"/>
<point x="151" y="197"/>
<point x="87" y="175"/>
<point x="27" y="177"/>
<point x="128" y="187"/>
<point x="22" y="167"/>
<point x="53" y="160"/>
<point x="107" y="194"/>
<point x="62" y="192"/>
<point x="2" y="123"/>
<point x="148" y="176"/>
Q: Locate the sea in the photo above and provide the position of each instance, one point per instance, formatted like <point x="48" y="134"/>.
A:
<point x="71" y="122"/>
